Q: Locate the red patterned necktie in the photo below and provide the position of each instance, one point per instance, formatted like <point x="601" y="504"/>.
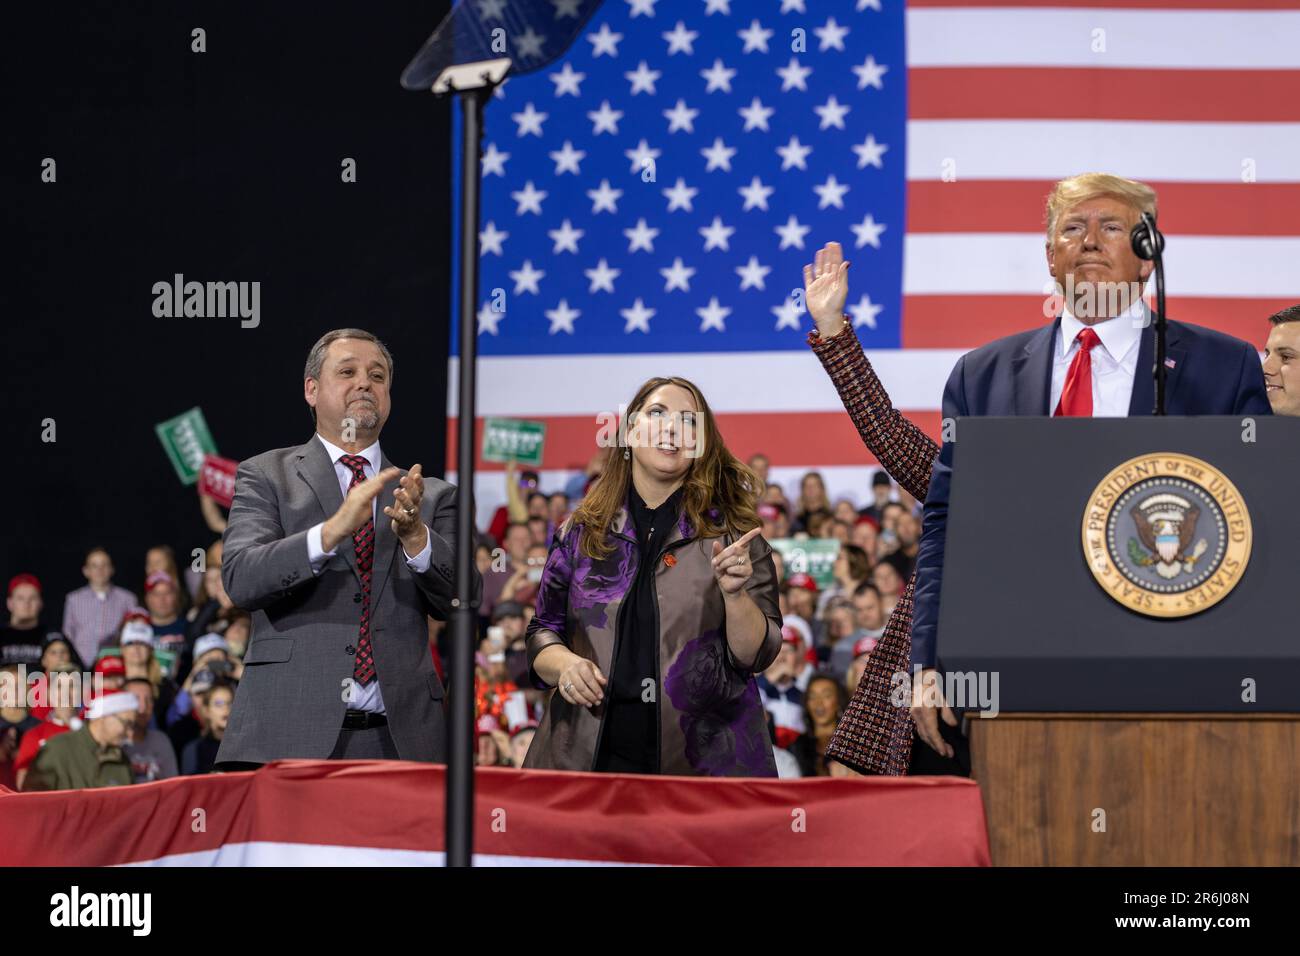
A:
<point x="1076" y="397"/>
<point x="363" y="671"/>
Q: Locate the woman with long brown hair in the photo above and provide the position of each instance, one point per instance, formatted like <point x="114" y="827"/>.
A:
<point x="824" y="702"/>
<point x="658" y="606"/>
<point x="813" y="503"/>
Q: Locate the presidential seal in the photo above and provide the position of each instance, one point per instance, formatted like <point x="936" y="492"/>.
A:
<point x="1166" y="535"/>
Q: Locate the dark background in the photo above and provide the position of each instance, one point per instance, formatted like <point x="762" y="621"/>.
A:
<point x="223" y="166"/>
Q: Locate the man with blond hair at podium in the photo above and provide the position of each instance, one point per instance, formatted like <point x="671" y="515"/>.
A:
<point x="1096" y="358"/>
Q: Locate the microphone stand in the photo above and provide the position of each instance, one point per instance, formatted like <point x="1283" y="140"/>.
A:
<point x="1148" y="243"/>
<point x="473" y="83"/>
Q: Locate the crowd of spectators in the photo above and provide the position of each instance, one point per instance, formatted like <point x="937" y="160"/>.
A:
<point x="164" y="672"/>
<point x="124" y="691"/>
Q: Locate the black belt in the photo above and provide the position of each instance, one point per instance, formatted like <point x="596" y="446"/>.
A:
<point x="363" y="720"/>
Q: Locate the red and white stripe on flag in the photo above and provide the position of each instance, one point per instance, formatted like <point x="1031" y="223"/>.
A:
<point x="304" y="813"/>
<point x="1197" y="98"/>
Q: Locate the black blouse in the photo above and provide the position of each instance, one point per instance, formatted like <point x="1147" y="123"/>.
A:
<point x="629" y="741"/>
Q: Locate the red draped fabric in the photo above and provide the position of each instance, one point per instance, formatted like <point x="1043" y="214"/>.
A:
<point x="301" y="812"/>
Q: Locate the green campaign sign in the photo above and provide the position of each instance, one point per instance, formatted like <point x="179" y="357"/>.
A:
<point x="506" y="439"/>
<point x="186" y="440"/>
<point x="811" y="556"/>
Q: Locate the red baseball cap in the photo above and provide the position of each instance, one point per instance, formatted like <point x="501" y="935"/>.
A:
<point x="109" y="666"/>
<point x="18" y="580"/>
<point x="802" y="580"/>
<point x="864" y="645"/>
<point x="136" y="614"/>
<point x="795" y="629"/>
<point x="157" y="578"/>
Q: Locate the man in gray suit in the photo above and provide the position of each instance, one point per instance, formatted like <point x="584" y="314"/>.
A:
<point x="338" y="665"/>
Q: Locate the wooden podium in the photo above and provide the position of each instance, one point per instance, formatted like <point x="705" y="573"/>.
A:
<point x="1175" y="789"/>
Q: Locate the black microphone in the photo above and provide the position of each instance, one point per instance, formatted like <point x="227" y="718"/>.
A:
<point x="1143" y="232"/>
<point x="1148" y="243"/>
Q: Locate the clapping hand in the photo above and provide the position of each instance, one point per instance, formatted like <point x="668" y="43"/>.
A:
<point x="405" y="511"/>
<point x="356" y="508"/>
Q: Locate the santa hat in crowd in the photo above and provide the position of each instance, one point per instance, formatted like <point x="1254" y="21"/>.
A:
<point x="794" y="628"/>
<point x="119" y="702"/>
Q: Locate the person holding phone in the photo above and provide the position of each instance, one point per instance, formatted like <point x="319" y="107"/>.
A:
<point x="658" y="605"/>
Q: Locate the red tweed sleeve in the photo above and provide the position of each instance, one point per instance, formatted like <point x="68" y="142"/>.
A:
<point x="874" y="734"/>
<point x="903" y="450"/>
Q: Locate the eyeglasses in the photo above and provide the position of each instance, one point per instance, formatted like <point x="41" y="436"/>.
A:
<point x="122" y="721"/>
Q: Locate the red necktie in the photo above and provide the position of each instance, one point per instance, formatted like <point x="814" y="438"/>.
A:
<point x="363" y="671"/>
<point x="1076" y="397"/>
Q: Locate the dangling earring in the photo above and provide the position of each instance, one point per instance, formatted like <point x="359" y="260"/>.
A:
<point x="627" y="453"/>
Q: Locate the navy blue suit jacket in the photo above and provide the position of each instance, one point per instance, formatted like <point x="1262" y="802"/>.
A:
<point x="1213" y="374"/>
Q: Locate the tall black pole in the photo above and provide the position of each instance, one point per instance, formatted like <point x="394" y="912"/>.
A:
<point x="1162" y="325"/>
<point x="464" y="616"/>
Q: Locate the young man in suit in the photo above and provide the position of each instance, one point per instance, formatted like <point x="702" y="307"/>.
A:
<point x="1282" y="361"/>
<point x="338" y="665"/>
<point x="1095" y="359"/>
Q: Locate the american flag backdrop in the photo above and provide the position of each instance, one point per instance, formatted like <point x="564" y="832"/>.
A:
<point x="650" y="198"/>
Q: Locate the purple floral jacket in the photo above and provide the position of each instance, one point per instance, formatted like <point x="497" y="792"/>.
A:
<point x="711" y="721"/>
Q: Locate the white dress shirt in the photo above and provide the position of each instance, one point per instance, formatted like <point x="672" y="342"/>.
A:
<point x="1114" y="360"/>
<point x="368" y="697"/>
<point x="89" y="616"/>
